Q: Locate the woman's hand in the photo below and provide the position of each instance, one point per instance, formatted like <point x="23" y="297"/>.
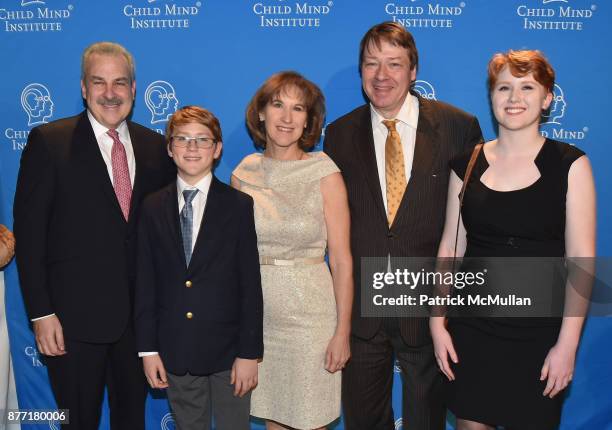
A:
<point x="443" y="346"/>
<point x="7" y="246"/>
<point x="558" y="368"/>
<point x="338" y="353"/>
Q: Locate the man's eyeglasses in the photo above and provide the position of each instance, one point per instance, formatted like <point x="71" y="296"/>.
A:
<point x="201" y="142"/>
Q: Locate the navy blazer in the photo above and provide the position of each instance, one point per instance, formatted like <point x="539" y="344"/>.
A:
<point x="202" y="316"/>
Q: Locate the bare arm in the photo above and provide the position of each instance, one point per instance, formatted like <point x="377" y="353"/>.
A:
<point x="443" y="344"/>
<point x="580" y="233"/>
<point x="337" y="221"/>
<point x="235" y="182"/>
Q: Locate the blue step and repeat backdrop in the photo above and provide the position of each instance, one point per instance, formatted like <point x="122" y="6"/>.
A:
<point x="216" y="53"/>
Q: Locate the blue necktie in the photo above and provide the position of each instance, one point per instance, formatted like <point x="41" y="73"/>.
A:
<point x="187" y="223"/>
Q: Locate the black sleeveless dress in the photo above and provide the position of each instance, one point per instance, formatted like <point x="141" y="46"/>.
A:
<point x="500" y="359"/>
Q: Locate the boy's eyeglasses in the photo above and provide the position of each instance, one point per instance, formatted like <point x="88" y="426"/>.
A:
<point x="201" y="142"/>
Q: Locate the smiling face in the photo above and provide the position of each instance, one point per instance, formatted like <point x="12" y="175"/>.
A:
<point x="285" y="118"/>
<point x="193" y="163"/>
<point x="386" y="75"/>
<point x="518" y="101"/>
<point x="108" y="89"/>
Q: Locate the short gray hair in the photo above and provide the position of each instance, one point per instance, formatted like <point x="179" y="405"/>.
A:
<point x="107" y="48"/>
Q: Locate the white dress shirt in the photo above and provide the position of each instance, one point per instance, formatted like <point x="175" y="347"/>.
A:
<point x="198" y="204"/>
<point x="105" y="143"/>
<point x="407" y="119"/>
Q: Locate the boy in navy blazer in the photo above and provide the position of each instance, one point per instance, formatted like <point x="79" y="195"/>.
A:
<point x="198" y="305"/>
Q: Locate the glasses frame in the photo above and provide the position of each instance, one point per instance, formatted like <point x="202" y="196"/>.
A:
<point x="200" y="141"/>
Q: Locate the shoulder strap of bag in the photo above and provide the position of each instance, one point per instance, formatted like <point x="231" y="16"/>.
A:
<point x="466" y="178"/>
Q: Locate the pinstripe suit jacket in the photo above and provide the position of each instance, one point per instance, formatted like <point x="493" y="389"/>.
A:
<point x="443" y="131"/>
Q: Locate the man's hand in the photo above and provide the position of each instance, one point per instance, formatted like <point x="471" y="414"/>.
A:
<point x="243" y="376"/>
<point x="49" y="336"/>
<point x="154" y="371"/>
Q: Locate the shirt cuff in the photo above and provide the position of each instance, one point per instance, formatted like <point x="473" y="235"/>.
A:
<point x="146" y="354"/>
<point x="41" y="318"/>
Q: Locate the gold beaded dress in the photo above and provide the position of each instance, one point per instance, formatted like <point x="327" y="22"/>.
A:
<point x="299" y="305"/>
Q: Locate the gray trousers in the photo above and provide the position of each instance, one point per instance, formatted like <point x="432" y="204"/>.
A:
<point x="195" y="400"/>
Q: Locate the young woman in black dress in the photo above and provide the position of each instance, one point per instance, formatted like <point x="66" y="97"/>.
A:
<point x="528" y="196"/>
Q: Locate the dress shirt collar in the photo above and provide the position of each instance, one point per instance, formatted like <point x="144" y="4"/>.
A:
<point x="408" y="113"/>
<point x="100" y="130"/>
<point x="203" y="185"/>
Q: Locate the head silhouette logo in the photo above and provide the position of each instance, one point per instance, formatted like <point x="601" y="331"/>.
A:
<point x="161" y="100"/>
<point x="167" y="422"/>
<point x="36" y="102"/>
<point x="29" y="2"/>
<point x="424" y="89"/>
<point x="398" y="424"/>
<point x="557" y="107"/>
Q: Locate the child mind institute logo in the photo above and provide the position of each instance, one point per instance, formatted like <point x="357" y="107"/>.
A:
<point x="35" y="16"/>
<point x="557" y="107"/>
<point x="160" y="98"/>
<point x="552" y="121"/>
<point x="37" y="104"/>
<point x="299" y="14"/>
<point x="424" y="89"/>
<point x="161" y="14"/>
<point x="398" y="424"/>
<point x="555" y="15"/>
<point x="167" y="422"/>
<point x="430" y="15"/>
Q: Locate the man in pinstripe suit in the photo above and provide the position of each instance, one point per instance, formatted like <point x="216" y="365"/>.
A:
<point x="425" y="135"/>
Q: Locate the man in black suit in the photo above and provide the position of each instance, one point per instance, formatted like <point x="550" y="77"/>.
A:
<point x="199" y="306"/>
<point x="393" y="154"/>
<point x="78" y="193"/>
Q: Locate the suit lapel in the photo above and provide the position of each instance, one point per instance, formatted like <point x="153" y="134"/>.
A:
<point x="87" y="146"/>
<point x="427" y="144"/>
<point x="172" y="220"/>
<point x="210" y="226"/>
<point x="365" y="149"/>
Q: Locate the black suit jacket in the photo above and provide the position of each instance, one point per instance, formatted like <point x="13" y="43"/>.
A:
<point x="75" y="251"/>
<point x="221" y="287"/>
<point x="442" y="132"/>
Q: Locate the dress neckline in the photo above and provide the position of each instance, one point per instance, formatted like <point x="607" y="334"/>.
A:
<point x="536" y="161"/>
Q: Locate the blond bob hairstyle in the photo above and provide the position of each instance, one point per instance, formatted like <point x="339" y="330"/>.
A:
<point x="283" y="82"/>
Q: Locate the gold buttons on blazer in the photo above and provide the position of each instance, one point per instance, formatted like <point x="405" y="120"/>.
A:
<point x="189" y="315"/>
<point x="188" y="284"/>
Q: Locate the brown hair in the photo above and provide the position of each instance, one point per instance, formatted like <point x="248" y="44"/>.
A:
<point x="107" y="48"/>
<point x="194" y="114"/>
<point x="313" y="100"/>
<point x="393" y="33"/>
<point x="521" y="63"/>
